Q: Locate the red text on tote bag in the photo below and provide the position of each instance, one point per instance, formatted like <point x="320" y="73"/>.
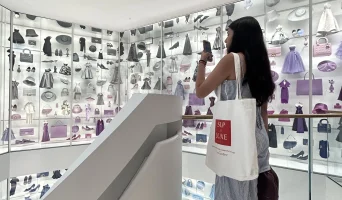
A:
<point x="223" y="132"/>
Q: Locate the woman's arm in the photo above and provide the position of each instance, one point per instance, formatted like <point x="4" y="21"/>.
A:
<point x="264" y="115"/>
<point x="220" y="73"/>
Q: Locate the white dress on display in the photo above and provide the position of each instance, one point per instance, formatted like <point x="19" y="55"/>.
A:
<point x="327" y="24"/>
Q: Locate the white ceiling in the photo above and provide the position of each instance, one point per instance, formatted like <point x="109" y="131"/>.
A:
<point x="117" y="15"/>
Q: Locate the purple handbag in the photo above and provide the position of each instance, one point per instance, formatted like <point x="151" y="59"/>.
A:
<point x="26" y="131"/>
<point x="108" y="112"/>
<point x="59" y="130"/>
<point x="77" y="119"/>
<point x="303" y="86"/>
<point x="194" y="100"/>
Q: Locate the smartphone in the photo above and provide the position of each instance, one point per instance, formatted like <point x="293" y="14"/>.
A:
<point x="207" y="48"/>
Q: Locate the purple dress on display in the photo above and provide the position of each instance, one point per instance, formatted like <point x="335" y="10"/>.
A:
<point x="293" y="62"/>
<point x="299" y="124"/>
<point x="46" y="136"/>
<point x="284" y="96"/>
<point x="99" y="127"/>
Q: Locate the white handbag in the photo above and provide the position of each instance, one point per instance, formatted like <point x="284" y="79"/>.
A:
<point x="232" y="150"/>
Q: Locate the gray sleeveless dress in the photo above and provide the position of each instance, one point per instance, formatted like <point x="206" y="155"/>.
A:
<point x="231" y="189"/>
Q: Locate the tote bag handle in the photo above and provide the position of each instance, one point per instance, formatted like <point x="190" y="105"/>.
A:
<point x="238" y="78"/>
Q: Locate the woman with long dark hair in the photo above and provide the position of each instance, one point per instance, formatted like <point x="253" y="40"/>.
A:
<point x="245" y="38"/>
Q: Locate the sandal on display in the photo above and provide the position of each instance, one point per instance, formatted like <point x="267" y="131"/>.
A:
<point x="197" y="18"/>
<point x="102" y="66"/>
<point x="204" y="18"/>
<point x="30" y="188"/>
<point x="77" y="137"/>
<point x="35" y="189"/>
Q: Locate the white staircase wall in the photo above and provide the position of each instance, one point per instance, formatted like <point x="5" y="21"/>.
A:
<point x="115" y="149"/>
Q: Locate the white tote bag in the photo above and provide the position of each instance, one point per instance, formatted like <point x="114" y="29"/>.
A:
<point x="231" y="149"/>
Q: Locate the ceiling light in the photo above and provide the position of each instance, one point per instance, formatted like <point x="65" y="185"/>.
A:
<point x="16" y="15"/>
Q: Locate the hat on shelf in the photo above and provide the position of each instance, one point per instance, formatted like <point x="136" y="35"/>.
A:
<point x="64" y="39"/>
<point x="272" y="15"/>
<point x="31" y="33"/>
<point x="299" y="14"/>
<point x="271" y="3"/>
<point x="29" y="81"/>
<point x="326" y="66"/>
<point x="64" y="24"/>
<point x="142" y="46"/>
<point x="75" y="57"/>
<point x="48" y="96"/>
<point x="92" y="48"/>
<point x="31" y="17"/>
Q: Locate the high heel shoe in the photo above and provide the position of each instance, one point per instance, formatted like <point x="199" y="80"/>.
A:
<point x="72" y="138"/>
<point x="198" y="126"/>
<point x="29" y="180"/>
<point x="204" y="18"/>
<point x="303" y="157"/>
<point x="78" y="137"/>
<point x="30" y="188"/>
<point x="176" y="45"/>
<point x="25" y="180"/>
<point x="297" y="155"/>
<point x="102" y="66"/>
<point x="201" y="127"/>
<point x="197" y="18"/>
<point x="35" y="189"/>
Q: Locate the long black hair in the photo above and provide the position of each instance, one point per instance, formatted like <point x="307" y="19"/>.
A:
<point x="248" y="39"/>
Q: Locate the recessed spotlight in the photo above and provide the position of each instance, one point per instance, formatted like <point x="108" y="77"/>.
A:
<point x="16" y="15"/>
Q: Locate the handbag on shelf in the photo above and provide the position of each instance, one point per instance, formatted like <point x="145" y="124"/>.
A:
<point x="322" y="49"/>
<point x="91" y="89"/>
<point x="108" y="112"/>
<point x="323" y="127"/>
<point x="26" y="131"/>
<point x="96" y="29"/>
<point x="26" y="57"/>
<point x="270" y="110"/>
<point x="201" y="138"/>
<point x="290" y="144"/>
<point x="148" y="28"/>
<point x="194" y="100"/>
<point x="168" y="24"/>
<point x="101" y="81"/>
<point x="65" y="92"/>
<point x="97" y="111"/>
<point x="96" y="40"/>
<point x="29" y="92"/>
<point x="303" y="86"/>
<point x="16" y="117"/>
<point x="229" y="134"/>
<point x="46" y="110"/>
<point x="76" y="109"/>
<point x="59" y="130"/>
<point x="111" y="52"/>
<point x="77" y="119"/>
<point x="274" y="51"/>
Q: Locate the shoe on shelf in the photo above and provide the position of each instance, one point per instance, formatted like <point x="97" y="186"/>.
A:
<point x="297" y="155"/>
<point x="176" y="45"/>
<point x="187" y="132"/>
<point x="198" y="126"/>
<point x="204" y="18"/>
<point x="201" y="127"/>
<point x="203" y="28"/>
<point x="28" y="69"/>
<point x="29" y="180"/>
<point x="30" y="188"/>
<point x="197" y="18"/>
<point x="303" y="157"/>
<point x="72" y="138"/>
<point x="35" y="189"/>
<point x="25" y="180"/>
<point x="102" y="66"/>
<point x="77" y="137"/>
